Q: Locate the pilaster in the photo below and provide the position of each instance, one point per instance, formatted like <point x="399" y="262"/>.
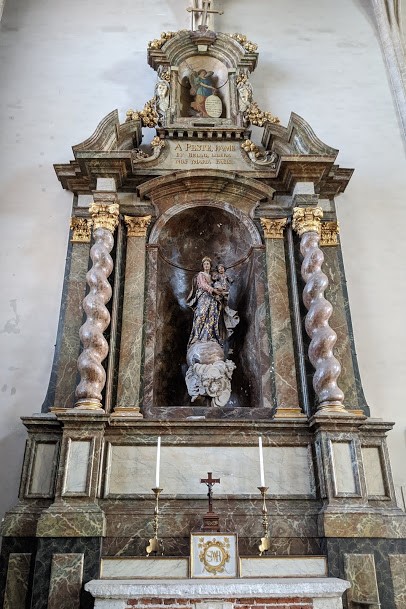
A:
<point x="129" y="376"/>
<point x="63" y="380"/>
<point x="287" y="398"/>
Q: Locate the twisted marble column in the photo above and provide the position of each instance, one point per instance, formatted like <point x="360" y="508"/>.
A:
<point x="307" y="223"/>
<point x="95" y="347"/>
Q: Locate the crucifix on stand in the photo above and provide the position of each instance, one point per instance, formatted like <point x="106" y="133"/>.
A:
<point x="211" y="519"/>
<point x="202" y="14"/>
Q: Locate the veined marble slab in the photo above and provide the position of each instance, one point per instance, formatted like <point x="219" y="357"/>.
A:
<point x="373" y="470"/>
<point x="43" y="469"/>
<point x="283" y="566"/>
<point x="144" y="567"/>
<point x="172" y="568"/>
<point x="76" y="480"/>
<point x="288" y="470"/>
<point x="326" y="592"/>
<point x="344" y="479"/>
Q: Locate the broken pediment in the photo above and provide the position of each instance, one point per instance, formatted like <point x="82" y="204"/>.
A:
<point x="202" y="112"/>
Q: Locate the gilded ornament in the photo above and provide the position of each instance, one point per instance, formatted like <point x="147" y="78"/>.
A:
<point x="81" y="229"/>
<point x="249" y="46"/>
<point x="214" y="554"/>
<point x="157" y="142"/>
<point x="166" y="75"/>
<point x="259" y="157"/>
<point x="249" y="146"/>
<point x="158" y="43"/>
<point x="329" y="233"/>
<point x="258" y="117"/>
<point x="132" y="115"/>
<point x="149" y="115"/>
<point x="104" y="215"/>
<point x="241" y="79"/>
<point x="307" y="219"/>
<point x="137" y="225"/>
<point x="273" y="228"/>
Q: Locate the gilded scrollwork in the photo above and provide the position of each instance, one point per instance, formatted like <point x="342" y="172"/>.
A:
<point x="137" y="225"/>
<point x="81" y="229"/>
<point x="157" y="144"/>
<point x="257" y="156"/>
<point x="273" y="228"/>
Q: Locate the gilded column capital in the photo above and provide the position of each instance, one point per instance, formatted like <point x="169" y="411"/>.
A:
<point x="307" y="219"/>
<point x="105" y="215"/>
<point x="329" y="233"/>
<point x="273" y="228"/>
<point x="81" y="229"/>
<point x="137" y="225"/>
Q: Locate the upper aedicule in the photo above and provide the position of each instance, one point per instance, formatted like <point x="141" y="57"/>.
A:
<point x="203" y="84"/>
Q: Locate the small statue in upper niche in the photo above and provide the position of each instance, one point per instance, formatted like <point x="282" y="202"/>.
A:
<point x="202" y="89"/>
<point x="162" y="91"/>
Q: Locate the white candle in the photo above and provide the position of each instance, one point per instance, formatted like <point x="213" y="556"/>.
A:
<point x="261" y="461"/>
<point x="158" y="462"/>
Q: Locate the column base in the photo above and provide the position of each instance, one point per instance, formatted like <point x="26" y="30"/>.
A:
<point x="127" y="411"/>
<point x="88" y="404"/>
<point x="289" y="413"/>
<point x="337" y="408"/>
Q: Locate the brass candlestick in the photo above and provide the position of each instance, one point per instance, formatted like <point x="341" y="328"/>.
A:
<point x="266" y="539"/>
<point x="156" y="545"/>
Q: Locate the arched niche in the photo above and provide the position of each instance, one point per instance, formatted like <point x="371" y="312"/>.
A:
<point x="178" y="241"/>
<point x="220" y="80"/>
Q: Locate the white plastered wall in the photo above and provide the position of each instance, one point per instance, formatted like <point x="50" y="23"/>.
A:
<point x="64" y="66"/>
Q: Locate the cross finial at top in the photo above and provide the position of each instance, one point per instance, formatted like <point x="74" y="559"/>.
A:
<point x="202" y="14"/>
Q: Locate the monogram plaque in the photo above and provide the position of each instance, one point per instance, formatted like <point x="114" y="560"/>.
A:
<point x="213" y="555"/>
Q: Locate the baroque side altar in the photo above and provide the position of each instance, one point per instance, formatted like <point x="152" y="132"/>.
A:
<point x="205" y="304"/>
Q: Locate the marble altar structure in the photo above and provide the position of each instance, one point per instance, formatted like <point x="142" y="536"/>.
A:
<point x="143" y="217"/>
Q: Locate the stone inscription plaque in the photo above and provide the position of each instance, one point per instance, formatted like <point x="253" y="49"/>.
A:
<point x="205" y="153"/>
<point x="208" y="155"/>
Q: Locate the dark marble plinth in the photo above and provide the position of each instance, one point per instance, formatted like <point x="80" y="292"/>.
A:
<point x="380" y="549"/>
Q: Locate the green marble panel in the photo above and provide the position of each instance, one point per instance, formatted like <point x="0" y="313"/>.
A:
<point x="281" y="328"/>
<point x="66" y="373"/>
<point x="340" y="320"/>
<point x="17" y="581"/>
<point x="66" y="581"/>
<point x="129" y="377"/>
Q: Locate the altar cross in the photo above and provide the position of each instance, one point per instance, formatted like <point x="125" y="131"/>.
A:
<point x="210" y="481"/>
<point x="200" y="11"/>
